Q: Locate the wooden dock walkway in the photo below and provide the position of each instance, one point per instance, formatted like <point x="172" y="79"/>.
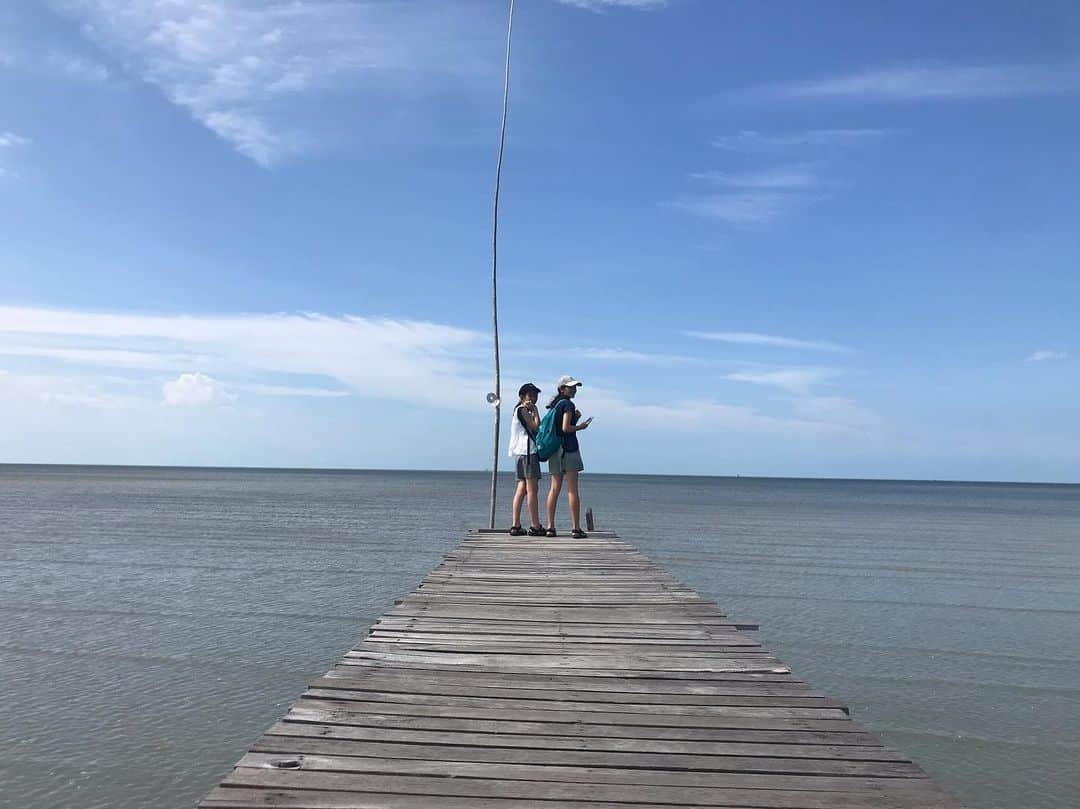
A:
<point x="565" y="674"/>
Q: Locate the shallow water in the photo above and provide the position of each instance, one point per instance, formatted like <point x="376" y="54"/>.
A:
<point x="153" y="622"/>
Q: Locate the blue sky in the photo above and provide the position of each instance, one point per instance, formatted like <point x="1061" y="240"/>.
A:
<point x="830" y="239"/>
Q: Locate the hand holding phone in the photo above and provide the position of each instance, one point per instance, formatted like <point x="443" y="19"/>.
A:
<point x="586" y="423"/>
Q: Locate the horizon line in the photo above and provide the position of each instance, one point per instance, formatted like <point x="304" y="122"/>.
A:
<point x="487" y="471"/>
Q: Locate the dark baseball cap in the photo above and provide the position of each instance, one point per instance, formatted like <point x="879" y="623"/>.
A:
<point x="528" y="387"/>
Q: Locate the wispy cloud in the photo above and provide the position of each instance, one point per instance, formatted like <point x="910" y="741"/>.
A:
<point x="76" y="67"/>
<point x="98" y="357"/>
<point x="931" y="81"/>
<point x="235" y="65"/>
<point x="794" y="176"/>
<point x="604" y="5"/>
<point x="8" y="142"/>
<point x="793" y="380"/>
<point x="288" y="390"/>
<point x="693" y="415"/>
<point x="209" y="361"/>
<point x="402" y="360"/>
<point x="55" y="62"/>
<point x="624" y="355"/>
<point x="46" y="389"/>
<point x="750" y="140"/>
<point x="836" y="410"/>
<point x="741" y="209"/>
<point x="10" y="139"/>
<point x="756" y="197"/>
<point x="770" y="340"/>
<point x="1044" y="356"/>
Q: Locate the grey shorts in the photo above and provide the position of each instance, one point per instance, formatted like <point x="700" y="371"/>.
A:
<point x="562" y="462"/>
<point x="528" y="467"/>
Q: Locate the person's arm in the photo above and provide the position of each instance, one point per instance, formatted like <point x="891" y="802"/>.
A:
<point x="529" y="419"/>
<point x="567" y="427"/>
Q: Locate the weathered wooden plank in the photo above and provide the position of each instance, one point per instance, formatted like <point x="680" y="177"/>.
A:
<point x="764" y="719"/>
<point x="232" y="797"/>
<point x="615" y="793"/>
<point x="493" y="625"/>
<point x="658" y="738"/>
<point x="576" y="675"/>
<point x="444" y="763"/>
<point x="283" y="745"/>
<point x="718" y="662"/>
<point x="509" y="703"/>
<point x="661" y="687"/>
<point x="415" y="636"/>
<point x="462" y="687"/>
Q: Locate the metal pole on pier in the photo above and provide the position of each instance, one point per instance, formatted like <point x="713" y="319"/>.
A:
<point x="495" y="397"/>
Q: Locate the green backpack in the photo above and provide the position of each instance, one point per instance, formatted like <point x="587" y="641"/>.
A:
<point x="547" y="440"/>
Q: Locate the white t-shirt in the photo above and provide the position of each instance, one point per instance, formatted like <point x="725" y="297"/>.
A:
<point x="520" y="442"/>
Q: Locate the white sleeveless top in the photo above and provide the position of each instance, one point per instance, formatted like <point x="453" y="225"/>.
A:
<point x="520" y="443"/>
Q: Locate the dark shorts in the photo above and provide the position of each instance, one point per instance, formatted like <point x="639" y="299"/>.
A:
<point x="528" y="467"/>
<point x="563" y="461"/>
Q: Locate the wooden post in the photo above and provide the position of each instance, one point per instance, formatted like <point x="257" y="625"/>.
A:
<point x="589" y="524"/>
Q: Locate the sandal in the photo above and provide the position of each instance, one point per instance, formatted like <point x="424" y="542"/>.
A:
<point x="517" y="531"/>
<point x="536" y="531"/>
<point x="550" y="532"/>
<point x="577" y="533"/>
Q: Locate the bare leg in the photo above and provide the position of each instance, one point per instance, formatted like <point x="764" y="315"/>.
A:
<point x="553" y="499"/>
<point x="572" y="496"/>
<point x="531" y="486"/>
<point x="519" y="495"/>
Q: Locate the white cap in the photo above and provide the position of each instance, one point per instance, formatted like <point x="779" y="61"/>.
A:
<point x="567" y="382"/>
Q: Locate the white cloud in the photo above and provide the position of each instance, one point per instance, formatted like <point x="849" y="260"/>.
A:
<point x="76" y="67"/>
<point x="793" y="380"/>
<point x="695" y="415"/>
<point x="106" y="357"/>
<point x="797" y="176"/>
<point x="235" y="65"/>
<point x="401" y="360"/>
<point x="623" y="355"/>
<point x="1043" y="356"/>
<point x="251" y="136"/>
<point x="836" y="410"/>
<point x="932" y="81"/>
<point x="774" y="341"/>
<point x="760" y="196"/>
<point x="422" y="364"/>
<point x="603" y="5"/>
<point x="56" y="63"/>
<point x="195" y="390"/>
<point x="746" y="208"/>
<point x="44" y="389"/>
<point x="286" y="390"/>
<point x="10" y="139"/>
<point x="749" y="140"/>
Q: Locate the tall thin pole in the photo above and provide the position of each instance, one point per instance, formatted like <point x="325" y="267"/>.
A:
<point x="495" y="271"/>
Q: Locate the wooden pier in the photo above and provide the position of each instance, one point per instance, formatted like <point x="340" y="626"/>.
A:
<point x="540" y="673"/>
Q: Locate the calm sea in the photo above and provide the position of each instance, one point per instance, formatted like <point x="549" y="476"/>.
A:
<point x="154" y="621"/>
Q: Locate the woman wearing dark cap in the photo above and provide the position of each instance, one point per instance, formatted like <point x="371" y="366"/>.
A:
<point x="523" y="448"/>
<point x="566" y="462"/>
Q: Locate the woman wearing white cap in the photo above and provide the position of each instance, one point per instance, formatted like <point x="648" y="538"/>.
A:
<point x="566" y="462"/>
